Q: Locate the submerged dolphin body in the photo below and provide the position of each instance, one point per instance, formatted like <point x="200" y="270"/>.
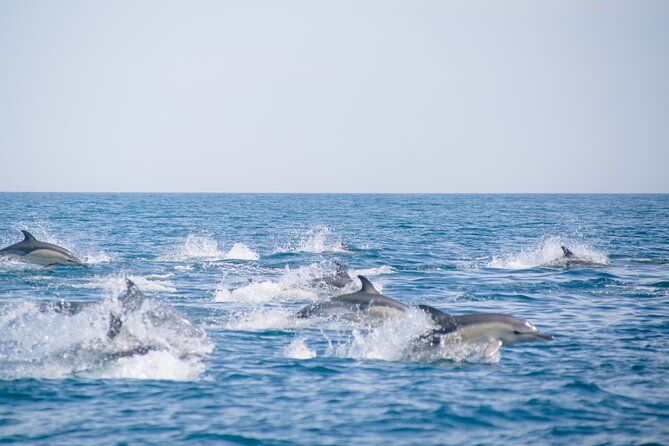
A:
<point x="47" y="254"/>
<point x="133" y="302"/>
<point x="570" y="259"/>
<point x="367" y="300"/>
<point x="339" y="280"/>
<point x="493" y="329"/>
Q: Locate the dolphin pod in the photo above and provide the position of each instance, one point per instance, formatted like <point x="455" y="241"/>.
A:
<point x="46" y="254"/>
<point x="493" y="329"/>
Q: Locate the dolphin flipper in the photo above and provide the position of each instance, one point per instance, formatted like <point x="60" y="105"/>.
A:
<point x="492" y="348"/>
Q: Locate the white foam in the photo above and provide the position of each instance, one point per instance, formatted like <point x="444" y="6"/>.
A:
<point x="240" y="251"/>
<point x="371" y="272"/>
<point x="203" y="248"/>
<point x="96" y="258"/>
<point x="316" y="240"/>
<point x="40" y="343"/>
<point x="398" y="339"/>
<point x="194" y="247"/>
<point x="298" y="349"/>
<point x="115" y="284"/>
<point x="263" y="318"/>
<point x="161" y="365"/>
<point x="548" y="252"/>
<point x="289" y="287"/>
<point x="263" y="292"/>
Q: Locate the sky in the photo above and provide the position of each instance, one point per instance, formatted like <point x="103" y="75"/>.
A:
<point x="334" y="96"/>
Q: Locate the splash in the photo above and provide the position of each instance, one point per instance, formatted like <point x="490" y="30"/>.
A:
<point x="155" y="342"/>
<point x="298" y="349"/>
<point x="202" y="248"/>
<point x="116" y="284"/>
<point x="293" y="285"/>
<point x="399" y="339"/>
<point x="241" y="252"/>
<point x="548" y="253"/>
<point x="371" y="272"/>
<point x="316" y="240"/>
<point x="263" y="318"/>
<point x="195" y="247"/>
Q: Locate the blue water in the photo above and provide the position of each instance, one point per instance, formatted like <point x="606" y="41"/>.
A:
<point x="239" y="265"/>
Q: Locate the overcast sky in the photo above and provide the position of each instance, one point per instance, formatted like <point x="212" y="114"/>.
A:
<point x="334" y="96"/>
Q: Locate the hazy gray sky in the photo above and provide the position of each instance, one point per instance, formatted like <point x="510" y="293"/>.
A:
<point x="336" y="96"/>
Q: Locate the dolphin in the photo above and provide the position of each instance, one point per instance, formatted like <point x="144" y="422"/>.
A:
<point x="569" y="259"/>
<point x="339" y="280"/>
<point x="131" y="302"/>
<point x="493" y="329"/>
<point x="368" y="300"/>
<point x="32" y="250"/>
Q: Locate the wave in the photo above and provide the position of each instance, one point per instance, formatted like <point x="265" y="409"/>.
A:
<point x="548" y="253"/>
<point x="41" y="343"/>
<point x="202" y="248"/>
<point x="316" y="240"/>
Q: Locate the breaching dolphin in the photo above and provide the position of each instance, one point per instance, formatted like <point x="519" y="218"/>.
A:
<point x="47" y="254"/>
<point x="132" y="302"/>
<point x="493" y="329"/>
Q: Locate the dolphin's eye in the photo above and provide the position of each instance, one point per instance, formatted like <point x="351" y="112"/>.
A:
<point x="516" y="332"/>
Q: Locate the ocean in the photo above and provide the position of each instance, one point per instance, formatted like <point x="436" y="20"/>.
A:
<point x="239" y="266"/>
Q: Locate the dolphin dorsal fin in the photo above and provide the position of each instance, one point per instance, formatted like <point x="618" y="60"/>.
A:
<point x="28" y="237"/>
<point x="567" y="252"/>
<point x="367" y="286"/>
<point x="133" y="297"/>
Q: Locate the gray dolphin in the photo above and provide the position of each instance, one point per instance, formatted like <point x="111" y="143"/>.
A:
<point x="368" y="299"/>
<point x="132" y="301"/>
<point x="493" y="329"/>
<point x="570" y="259"/>
<point x="47" y="254"/>
<point x="339" y="280"/>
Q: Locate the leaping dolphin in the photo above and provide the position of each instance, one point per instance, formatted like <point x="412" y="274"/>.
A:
<point x="493" y="329"/>
<point x="47" y="254"/>
<point x="131" y="302"/>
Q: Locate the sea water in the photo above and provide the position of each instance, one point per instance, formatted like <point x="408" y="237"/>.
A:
<point x="239" y="266"/>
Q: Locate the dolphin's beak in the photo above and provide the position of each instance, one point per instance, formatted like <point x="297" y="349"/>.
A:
<point x="543" y="337"/>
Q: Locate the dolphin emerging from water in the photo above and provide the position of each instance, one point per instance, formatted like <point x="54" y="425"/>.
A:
<point x="47" y="254"/>
<point x="493" y="329"/>
<point x="132" y="302"/>
<point x="338" y="281"/>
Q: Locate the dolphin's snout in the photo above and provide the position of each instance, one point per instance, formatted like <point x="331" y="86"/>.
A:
<point x="543" y="337"/>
